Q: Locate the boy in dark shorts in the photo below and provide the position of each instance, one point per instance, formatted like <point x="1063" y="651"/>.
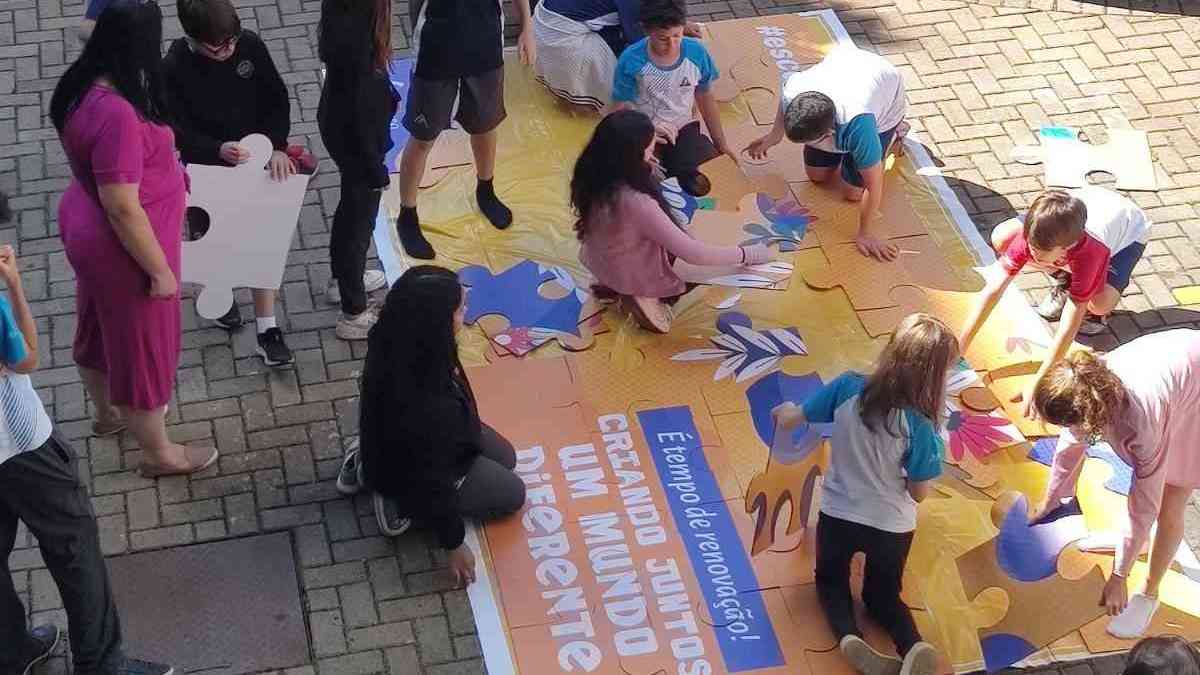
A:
<point x="459" y="47"/>
<point x="665" y="75"/>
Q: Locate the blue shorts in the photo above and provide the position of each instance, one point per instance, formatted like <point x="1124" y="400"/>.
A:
<point x="1121" y="264"/>
<point x="821" y="159"/>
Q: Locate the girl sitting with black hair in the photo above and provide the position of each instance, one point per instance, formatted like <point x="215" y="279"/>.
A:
<point x="423" y="449"/>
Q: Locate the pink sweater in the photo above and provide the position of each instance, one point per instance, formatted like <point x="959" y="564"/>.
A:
<point x="628" y="241"/>
<point x="1159" y="434"/>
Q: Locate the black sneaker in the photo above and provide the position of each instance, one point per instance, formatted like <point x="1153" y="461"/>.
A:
<point x="232" y="319"/>
<point x="139" y="667"/>
<point x="43" y="640"/>
<point x="273" y="350"/>
<point x="350" y="478"/>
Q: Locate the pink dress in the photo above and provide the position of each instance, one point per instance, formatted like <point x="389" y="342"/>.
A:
<point x="627" y="245"/>
<point x="1159" y="434"/>
<point x="121" y="330"/>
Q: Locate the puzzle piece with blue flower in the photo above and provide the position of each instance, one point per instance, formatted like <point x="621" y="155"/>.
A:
<point x="529" y="304"/>
<point x="1026" y="586"/>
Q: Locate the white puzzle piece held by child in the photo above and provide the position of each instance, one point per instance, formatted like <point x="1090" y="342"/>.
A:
<point x="251" y="219"/>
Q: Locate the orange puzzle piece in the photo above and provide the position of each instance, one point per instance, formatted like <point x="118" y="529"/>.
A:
<point x="868" y="282"/>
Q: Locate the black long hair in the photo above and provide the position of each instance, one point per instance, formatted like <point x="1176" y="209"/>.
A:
<point x="411" y="351"/>
<point x="125" y="47"/>
<point x="615" y="156"/>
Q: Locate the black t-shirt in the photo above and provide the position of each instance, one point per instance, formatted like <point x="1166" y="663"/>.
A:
<point x="457" y="38"/>
<point x="212" y="102"/>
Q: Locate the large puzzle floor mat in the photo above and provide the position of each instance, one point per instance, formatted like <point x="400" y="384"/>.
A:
<point x="666" y="529"/>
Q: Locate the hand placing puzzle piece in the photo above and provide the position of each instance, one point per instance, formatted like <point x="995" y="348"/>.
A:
<point x="251" y="219"/>
<point x="1026" y="586"/>
<point x="1068" y="160"/>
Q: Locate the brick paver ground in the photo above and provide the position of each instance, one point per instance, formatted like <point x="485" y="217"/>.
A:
<point x="981" y="75"/>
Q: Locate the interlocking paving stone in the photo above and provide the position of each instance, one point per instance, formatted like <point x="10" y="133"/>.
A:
<point x="981" y="75"/>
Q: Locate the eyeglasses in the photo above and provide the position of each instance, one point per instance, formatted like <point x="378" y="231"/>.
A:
<point x="228" y="43"/>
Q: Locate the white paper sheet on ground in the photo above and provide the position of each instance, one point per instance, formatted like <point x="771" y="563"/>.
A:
<point x="1107" y="542"/>
<point x="251" y="219"/>
<point x="774" y="275"/>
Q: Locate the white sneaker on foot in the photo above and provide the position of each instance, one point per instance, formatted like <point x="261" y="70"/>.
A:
<point x="865" y="659"/>
<point x="1133" y="622"/>
<point x="356" y="327"/>
<point x="920" y="660"/>
<point x="373" y="280"/>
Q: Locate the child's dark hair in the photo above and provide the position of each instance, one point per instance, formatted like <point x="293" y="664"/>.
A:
<point x="209" y="22"/>
<point x="808" y="116"/>
<point x="613" y="158"/>
<point x="662" y="14"/>
<point x="1056" y="218"/>
<point x="911" y="373"/>
<point x="1165" y="655"/>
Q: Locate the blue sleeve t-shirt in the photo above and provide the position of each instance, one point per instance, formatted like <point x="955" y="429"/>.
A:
<point x="868" y="468"/>
<point x="24" y="424"/>
<point x="665" y="94"/>
<point x="12" y="341"/>
<point x="95" y="8"/>
<point x="859" y="138"/>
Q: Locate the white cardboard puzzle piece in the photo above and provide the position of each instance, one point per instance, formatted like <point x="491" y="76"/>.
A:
<point x="1068" y="160"/>
<point x="251" y="220"/>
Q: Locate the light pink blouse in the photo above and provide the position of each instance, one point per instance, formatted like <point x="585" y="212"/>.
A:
<point x="1159" y="434"/>
<point x="628" y="241"/>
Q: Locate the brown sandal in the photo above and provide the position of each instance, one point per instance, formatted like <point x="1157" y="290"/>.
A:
<point x="199" y="459"/>
<point x="110" y="429"/>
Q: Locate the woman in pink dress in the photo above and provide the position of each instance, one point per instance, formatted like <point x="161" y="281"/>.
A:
<point x="121" y="221"/>
<point x="1143" y="398"/>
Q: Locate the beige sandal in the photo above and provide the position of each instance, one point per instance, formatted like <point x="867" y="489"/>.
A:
<point x="199" y="459"/>
<point x="650" y="313"/>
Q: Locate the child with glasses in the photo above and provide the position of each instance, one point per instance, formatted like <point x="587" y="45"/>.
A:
<point x="222" y="85"/>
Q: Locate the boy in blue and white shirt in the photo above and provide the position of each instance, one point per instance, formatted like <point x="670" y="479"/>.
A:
<point x="885" y="451"/>
<point x="39" y="485"/>
<point x="665" y="75"/>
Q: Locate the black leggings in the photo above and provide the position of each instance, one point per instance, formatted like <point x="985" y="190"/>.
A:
<point x="350" y="239"/>
<point x="690" y="149"/>
<point x="837" y="542"/>
<point x="491" y="489"/>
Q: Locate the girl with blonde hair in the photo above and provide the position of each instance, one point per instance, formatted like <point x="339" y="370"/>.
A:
<point x="1143" y="398"/>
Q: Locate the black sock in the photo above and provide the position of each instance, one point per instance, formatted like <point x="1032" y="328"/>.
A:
<point x="409" y="229"/>
<point x="497" y="213"/>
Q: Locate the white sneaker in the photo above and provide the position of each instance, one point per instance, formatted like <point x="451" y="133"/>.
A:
<point x="865" y="659"/>
<point x="373" y="280"/>
<point x="920" y="660"/>
<point x="1131" y="623"/>
<point x="356" y="327"/>
<point x="1051" y="306"/>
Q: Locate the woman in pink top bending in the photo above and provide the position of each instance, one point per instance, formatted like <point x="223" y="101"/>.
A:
<point x="1144" y="399"/>
<point x="628" y="237"/>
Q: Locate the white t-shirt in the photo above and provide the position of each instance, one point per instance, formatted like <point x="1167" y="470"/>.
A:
<point x="858" y="82"/>
<point x="1113" y="218"/>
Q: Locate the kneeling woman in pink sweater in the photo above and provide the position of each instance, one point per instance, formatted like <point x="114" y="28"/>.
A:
<point x="628" y="237"/>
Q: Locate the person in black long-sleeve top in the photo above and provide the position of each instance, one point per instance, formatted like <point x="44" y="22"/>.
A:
<point x="355" y="114"/>
<point x="222" y="86"/>
<point x="422" y="447"/>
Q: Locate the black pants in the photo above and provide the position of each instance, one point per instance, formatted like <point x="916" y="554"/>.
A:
<point x="837" y="542"/>
<point x="350" y="239"/>
<point x="690" y="149"/>
<point x="491" y="489"/>
<point x="41" y="488"/>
